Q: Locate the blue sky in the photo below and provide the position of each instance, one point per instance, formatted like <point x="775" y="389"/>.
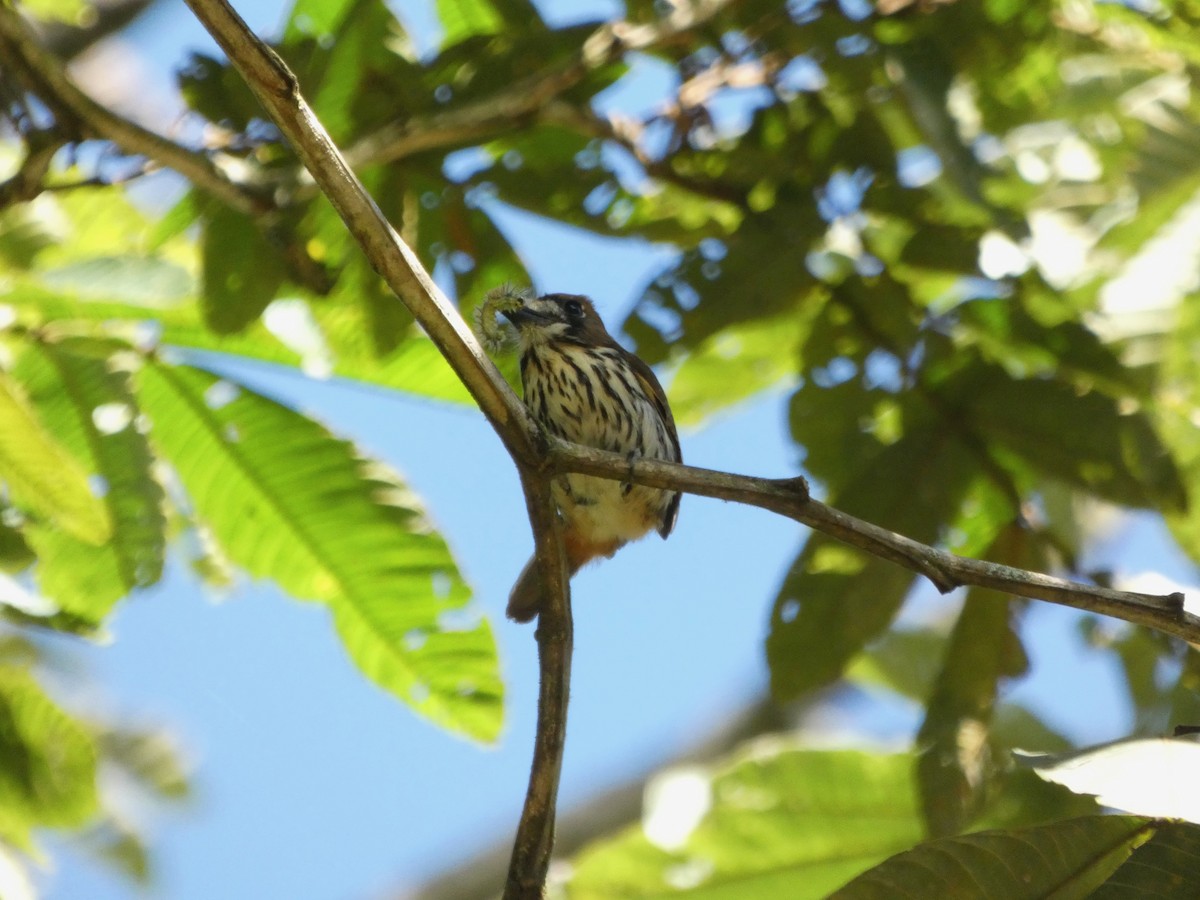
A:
<point x="312" y="783"/>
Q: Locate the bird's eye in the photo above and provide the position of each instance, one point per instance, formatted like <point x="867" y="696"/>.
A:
<point x="574" y="309"/>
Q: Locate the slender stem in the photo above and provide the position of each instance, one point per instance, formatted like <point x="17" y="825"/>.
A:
<point x="534" y="842"/>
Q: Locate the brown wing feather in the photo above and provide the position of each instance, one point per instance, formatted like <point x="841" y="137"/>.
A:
<point x="656" y="393"/>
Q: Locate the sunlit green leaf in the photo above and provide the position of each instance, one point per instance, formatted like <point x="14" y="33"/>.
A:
<point x="736" y="364"/>
<point x="69" y="11"/>
<point x="289" y="502"/>
<point x="318" y="18"/>
<point x="43" y="475"/>
<point x="47" y="761"/>
<point x="88" y="404"/>
<point x="903" y="660"/>
<point x="783" y="822"/>
<point x="464" y="18"/>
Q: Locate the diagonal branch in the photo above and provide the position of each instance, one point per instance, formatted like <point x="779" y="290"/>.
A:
<point x="277" y="90"/>
<point x="789" y="497"/>
<point x="530" y="99"/>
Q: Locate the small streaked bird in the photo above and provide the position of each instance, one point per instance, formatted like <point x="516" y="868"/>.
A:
<point x="584" y="387"/>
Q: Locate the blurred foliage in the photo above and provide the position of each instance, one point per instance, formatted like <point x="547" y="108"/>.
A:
<point x="960" y="235"/>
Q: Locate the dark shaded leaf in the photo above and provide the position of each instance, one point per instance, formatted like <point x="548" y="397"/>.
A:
<point x="1067" y="859"/>
<point x="241" y="271"/>
<point x="1164" y="867"/>
<point x="955" y="763"/>
<point x="1087" y="440"/>
<point x="835" y="598"/>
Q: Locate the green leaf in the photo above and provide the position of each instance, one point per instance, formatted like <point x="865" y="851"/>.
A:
<point x="116" y="844"/>
<point x="241" y="271"/>
<point x="466" y="18"/>
<point x="351" y="76"/>
<point x="316" y="18"/>
<point x="1065" y="860"/>
<point x="903" y="660"/>
<point x="1089" y="440"/>
<point x="1164" y="867"/>
<point x="43" y="476"/>
<point x="833" y="601"/>
<point x="955" y="764"/>
<point x="783" y="822"/>
<point x="836" y="598"/>
<point x="735" y="364"/>
<point x="15" y="553"/>
<point x="47" y="761"/>
<point x="289" y="502"/>
<point x="177" y="220"/>
<point x="88" y="403"/>
<point x="149" y="281"/>
<point x="1179" y="420"/>
<point x="69" y="11"/>
<point x="150" y="758"/>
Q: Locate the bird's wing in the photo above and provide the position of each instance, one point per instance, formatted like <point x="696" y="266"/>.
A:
<point x="655" y="392"/>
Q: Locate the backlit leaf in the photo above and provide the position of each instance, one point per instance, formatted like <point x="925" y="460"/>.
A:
<point x="781" y="821"/>
<point x="288" y="501"/>
<point x="47" y="760"/>
<point x="43" y="475"/>
<point x="90" y="407"/>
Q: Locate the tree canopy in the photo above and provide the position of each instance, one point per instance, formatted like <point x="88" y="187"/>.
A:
<point x="962" y="236"/>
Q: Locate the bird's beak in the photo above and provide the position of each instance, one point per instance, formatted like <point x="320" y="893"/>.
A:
<point x="526" y="316"/>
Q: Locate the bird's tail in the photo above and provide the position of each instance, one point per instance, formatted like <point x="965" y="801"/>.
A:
<point x="525" y="600"/>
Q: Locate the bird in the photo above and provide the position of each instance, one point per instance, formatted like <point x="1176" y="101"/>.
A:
<point x="584" y="387"/>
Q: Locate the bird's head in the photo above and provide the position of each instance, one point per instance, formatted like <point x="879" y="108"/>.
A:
<point x="554" y="318"/>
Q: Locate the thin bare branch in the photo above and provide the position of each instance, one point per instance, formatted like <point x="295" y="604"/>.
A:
<point x="24" y="55"/>
<point x="483" y="119"/>
<point x="28" y="181"/>
<point x="789" y="497"/>
<point x="526" y="101"/>
<point x="534" y="842"/>
<point x="108" y="16"/>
